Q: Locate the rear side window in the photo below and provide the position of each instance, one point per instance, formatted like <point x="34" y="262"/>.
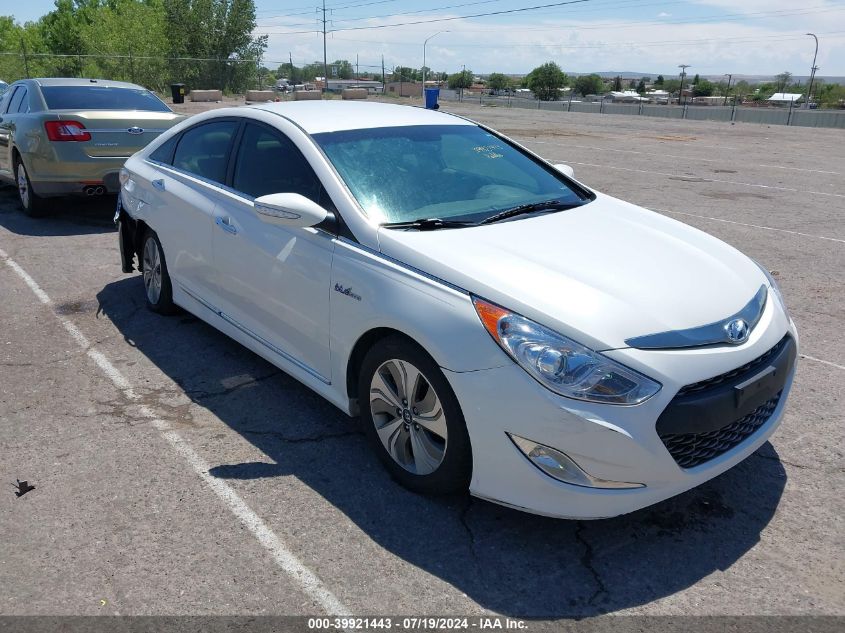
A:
<point x="269" y="162"/>
<point x="204" y="150"/>
<point x="23" y="104"/>
<point x="17" y="97"/>
<point x="164" y="152"/>
<point x="101" y="98"/>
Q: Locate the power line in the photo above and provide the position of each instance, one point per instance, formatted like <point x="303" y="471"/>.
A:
<point x="457" y="17"/>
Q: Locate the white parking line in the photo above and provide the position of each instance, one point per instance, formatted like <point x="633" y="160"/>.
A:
<point x="661" y="155"/>
<point x="696" y="179"/>
<point x="308" y="582"/>
<point x="755" y="226"/>
<point x="824" y="362"/>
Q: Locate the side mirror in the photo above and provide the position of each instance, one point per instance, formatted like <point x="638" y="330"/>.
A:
<point x="566" y="170"/>
<point x="289" y="209"/>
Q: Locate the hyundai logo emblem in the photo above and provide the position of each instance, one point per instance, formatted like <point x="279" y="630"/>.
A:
<point x="737" y="331"/>
<point x="135" y="130"/>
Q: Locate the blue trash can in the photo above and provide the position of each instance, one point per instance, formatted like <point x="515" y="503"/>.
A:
<point x="431" y="95"/>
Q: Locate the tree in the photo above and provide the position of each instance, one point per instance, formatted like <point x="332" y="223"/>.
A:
<point x="641" y="86"/>
<point x="617" y="84"/>
<point x="783" y="80"/>
<point x="659" y="81"/>
<point x="498" y="81"/>
<point x="589" y="85"/>
<point x="460" y="80"/>
<point x="671" y="85"/>
<point x="704" y="88"/>
<point x="695" y="80"/>
<point x="546" y="81"/>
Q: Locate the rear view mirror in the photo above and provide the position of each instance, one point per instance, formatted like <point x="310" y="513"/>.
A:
<point x="289" y="209"/>
<point x="566" y="170"/>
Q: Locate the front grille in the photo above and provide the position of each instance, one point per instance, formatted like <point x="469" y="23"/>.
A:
<point x="747" y="368"/>
<point x="693" y="449"/>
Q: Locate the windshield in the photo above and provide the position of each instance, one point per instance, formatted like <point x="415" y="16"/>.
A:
<point x="101" y="98"/>
<point x="455" y="172"/>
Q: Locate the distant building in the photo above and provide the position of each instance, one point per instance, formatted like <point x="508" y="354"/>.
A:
<point x="784" y="98"/>
<point x="708" y="100"/>
<point x="626" y="96"/>
<point x="339" y="85"/>
<point x="658" y="96"/>
<point x="404" y="89"/>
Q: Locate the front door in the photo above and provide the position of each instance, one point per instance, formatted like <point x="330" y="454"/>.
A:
<point x="274" y="281"/>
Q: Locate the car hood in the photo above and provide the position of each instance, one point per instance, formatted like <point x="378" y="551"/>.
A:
<point x="601" y="273"/>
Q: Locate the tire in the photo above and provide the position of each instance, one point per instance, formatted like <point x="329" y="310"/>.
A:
<point x="158" y="290"/>
<point x="423" y="451"/>
<point x="31" y="203"/>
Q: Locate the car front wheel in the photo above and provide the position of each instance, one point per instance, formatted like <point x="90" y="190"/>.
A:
<point x="413" y="418"/>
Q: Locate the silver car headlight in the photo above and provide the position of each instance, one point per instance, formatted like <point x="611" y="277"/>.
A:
<point x="562" y="365"/>
<point x="773" y="285"/>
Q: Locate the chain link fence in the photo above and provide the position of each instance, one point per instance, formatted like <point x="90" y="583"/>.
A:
<point x="773" y="115"/>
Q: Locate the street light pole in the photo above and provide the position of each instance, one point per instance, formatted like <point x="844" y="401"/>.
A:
<point x="424" y="68"/>
<point x="813" y="70"/>
<point x="728" y="91"/>
<point x="683" y="68"/>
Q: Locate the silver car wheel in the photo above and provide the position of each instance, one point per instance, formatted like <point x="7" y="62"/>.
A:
<point x="408" y="416"/>
<point x="152" y="270"/>
<point x="23" y="186"/>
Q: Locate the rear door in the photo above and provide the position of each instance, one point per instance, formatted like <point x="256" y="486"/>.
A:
<point x="185" y="186"/>
<point x="13" y="101"/>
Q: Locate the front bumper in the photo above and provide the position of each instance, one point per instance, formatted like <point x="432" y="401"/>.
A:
<point x="616" y="443"/>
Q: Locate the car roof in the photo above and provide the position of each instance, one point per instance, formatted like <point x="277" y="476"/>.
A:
<point x="334" y="116"/>
<point x="73" y="81"/>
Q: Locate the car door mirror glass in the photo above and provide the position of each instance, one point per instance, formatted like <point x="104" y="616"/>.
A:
<point x="566" y="170"/>
<point x="289" y="209"/>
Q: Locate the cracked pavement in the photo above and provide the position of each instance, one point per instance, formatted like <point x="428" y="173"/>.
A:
<point x="117" y="517"/>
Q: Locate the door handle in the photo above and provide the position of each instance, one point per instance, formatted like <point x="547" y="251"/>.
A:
<point x="224" y="224"/>
<point x="158" y="184"/>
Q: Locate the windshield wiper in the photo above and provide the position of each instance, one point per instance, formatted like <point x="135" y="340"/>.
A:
<point x="546" y="205"/>
<point x="428" y="224"/>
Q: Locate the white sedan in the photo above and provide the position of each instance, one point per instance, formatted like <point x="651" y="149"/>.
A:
<point x="498" y="326"/>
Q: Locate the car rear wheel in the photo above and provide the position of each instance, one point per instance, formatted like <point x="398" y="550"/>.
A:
<point x="413" y="418"/>
<point x="31" y="203"/>
<point x="157" y="286"/>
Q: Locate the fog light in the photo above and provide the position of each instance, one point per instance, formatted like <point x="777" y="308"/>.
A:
<point x="562" y="467"/>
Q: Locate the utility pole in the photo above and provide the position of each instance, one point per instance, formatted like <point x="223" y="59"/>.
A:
<point x="325" y="60"/>
<point x="383" y="78"/>
<point x="813" y="70"/>
<point x="291" y="79"/>
<point x="683" y="68"/>
<point x="357" y="72"/>
<point x="25" y="58"/>
<point x="463" y="79"/>
<point x="728" y="91"/>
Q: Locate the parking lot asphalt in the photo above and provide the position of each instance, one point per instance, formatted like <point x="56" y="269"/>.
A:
<point x="175" y="472"/>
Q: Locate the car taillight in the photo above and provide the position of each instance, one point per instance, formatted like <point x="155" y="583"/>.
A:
<point x="66" y="131"/>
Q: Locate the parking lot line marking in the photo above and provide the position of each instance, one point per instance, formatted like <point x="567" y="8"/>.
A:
<point x="755" y="226"/>
<point x="701" y="179"/>
<point x="661" y="155"/>
<point x="824" y="362"/>
<point x="308" y="582"/>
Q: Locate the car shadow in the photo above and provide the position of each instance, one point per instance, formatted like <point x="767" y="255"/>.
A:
<point x="73" y="215"/>
<point x="507" y="561"/>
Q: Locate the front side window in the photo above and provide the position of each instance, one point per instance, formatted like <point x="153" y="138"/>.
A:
<point x="95" y="97"/>
<point x="204" y="150"/>
<point x="268" y="162"/>
<point x="459" y="172"/>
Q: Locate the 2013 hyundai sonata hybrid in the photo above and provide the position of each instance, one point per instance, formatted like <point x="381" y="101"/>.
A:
<point x="498" y="325"/>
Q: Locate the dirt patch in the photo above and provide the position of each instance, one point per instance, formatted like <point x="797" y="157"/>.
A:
<point x="718" y="195"/>
<point x="77" y="307"/>
<point x="679" y="139"/>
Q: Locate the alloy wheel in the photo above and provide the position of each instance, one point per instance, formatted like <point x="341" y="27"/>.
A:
<point x="152" y="270"/>
<point x="408" y="416"/>
<point x="23" y="186"/>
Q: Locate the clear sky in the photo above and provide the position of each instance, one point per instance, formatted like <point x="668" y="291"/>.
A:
<point x="755" y="37"/>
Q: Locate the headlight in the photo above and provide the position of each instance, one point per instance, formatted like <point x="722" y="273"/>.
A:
<point x="562" y="365"/>
<point x="773" y="285"/>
